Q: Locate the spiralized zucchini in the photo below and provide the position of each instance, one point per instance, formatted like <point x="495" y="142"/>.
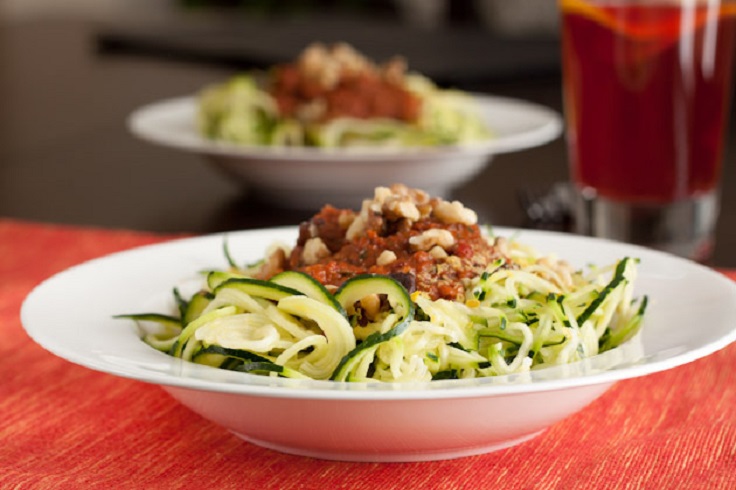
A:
<point x="525" y="312"/>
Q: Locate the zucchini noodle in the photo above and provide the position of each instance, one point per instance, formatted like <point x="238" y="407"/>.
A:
<point x="336" y="98"/>
<point x="239" y="111"/>
<point x="524" y="312"/>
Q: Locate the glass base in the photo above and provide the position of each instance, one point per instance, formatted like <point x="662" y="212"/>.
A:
<point x="685" y="228"/>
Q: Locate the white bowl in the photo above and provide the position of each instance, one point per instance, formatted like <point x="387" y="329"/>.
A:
<point x="310" y="177"/>
<point x="71" y="313"/>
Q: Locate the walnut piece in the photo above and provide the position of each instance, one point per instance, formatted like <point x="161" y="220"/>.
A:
<point x="438" y="252"/>
<point x="315" y="250"/>
<point x="326" y="65"/>
<point x="400" y="203"/>
<point x="432" y="238"/>
<point x="455" y="212"/>
<point x="386" y="257"/>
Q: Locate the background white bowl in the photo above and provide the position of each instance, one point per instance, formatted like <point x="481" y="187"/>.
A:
<point x="71" y="315"/>
<point x="311" y="177"/>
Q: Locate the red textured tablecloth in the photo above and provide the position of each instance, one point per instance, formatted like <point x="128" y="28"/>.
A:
<point x="63" y="426"/>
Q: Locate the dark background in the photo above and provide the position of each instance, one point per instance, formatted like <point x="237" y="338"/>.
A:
<point x="69" y="80"/>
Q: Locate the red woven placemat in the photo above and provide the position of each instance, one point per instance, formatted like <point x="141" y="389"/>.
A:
<point x="66" y="427"/>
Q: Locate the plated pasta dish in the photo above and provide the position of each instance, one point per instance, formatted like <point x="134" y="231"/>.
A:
<point x="335" y="97"/>
<point x="407" y="288"/>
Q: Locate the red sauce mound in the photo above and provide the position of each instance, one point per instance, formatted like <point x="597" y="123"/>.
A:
<point x="358" y="95"/>
<point x="331" y="81"/>
<point x="440" y="274"/>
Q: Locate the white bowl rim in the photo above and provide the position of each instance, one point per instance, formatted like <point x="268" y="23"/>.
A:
<point x="170" y="122"/>
<point x="154" y="367"/>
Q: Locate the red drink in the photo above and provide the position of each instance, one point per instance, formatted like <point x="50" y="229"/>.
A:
<point x="647" y="92"/>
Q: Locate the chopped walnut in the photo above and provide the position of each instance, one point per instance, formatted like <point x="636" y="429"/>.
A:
<point x="274" y="263"/>
<point x="502" y="246"/>
<point x="322" y="63"/>
<point x="431" y="238"/>
<point x="395" y="69"/>
<point x="400" y="203"/>
<point x="311" y="111"/>
<point x="371" y="305"/>
<point x="345" y="219"/>
<point x="455" y="212"/>
<point x="313" y="62"/>
<point x="326" y="65"/>
<point x="356" y="228"/>
<point x="438" y="252"/>
<point x="315" y="250"/>
<point x="402" y="208"/>
<point x="386" y="257"/>
<point x="561" y="271"/>
<point x="349" y="59"/>
<point x="380" y="195"/>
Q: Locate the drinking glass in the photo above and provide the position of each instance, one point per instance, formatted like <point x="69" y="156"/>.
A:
<point x="647" y="87"/>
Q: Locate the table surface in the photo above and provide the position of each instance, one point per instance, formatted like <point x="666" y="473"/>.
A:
<point x="67" y="87"/>
<point x="68" y="427"/>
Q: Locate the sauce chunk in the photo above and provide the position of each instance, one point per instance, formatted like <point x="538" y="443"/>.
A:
<point x="427" y="244"/>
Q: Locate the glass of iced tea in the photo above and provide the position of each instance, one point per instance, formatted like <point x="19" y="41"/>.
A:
<point x="647" y="87"/>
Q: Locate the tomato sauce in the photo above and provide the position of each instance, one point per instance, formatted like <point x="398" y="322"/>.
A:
<point x="359" y="95"/>
<point x="439" y="276"/>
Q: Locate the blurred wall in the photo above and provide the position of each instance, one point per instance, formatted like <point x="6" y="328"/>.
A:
<point x="504" y="17"/>
<point x="86" y="9"/>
